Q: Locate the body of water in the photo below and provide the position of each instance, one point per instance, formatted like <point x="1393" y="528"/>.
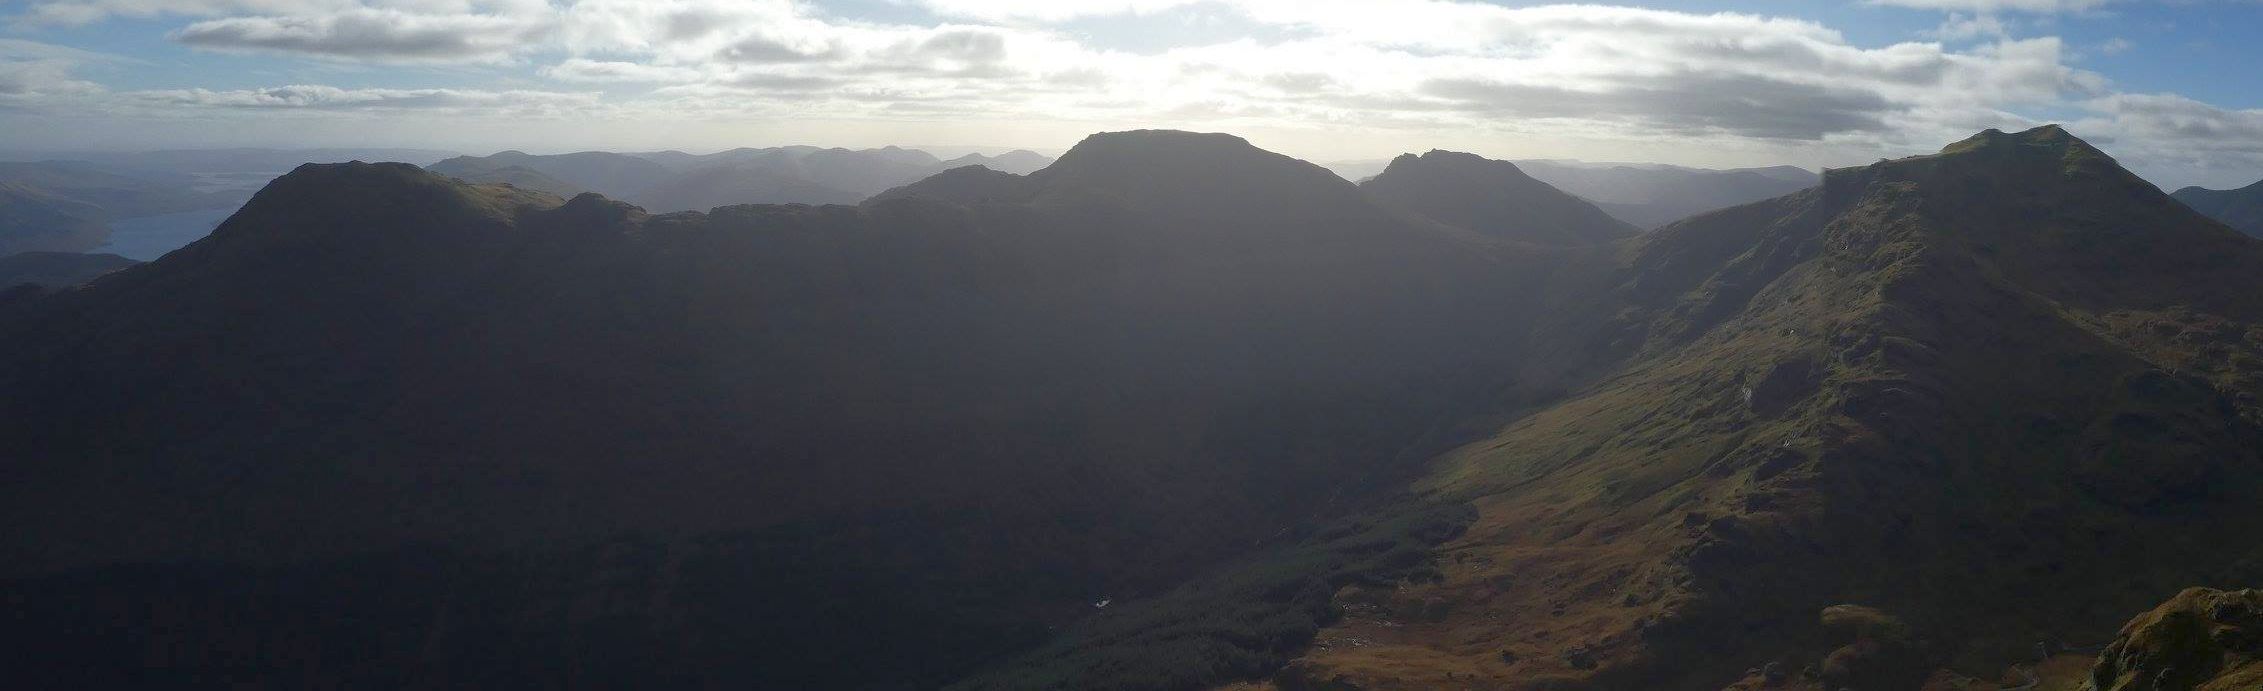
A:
<point x="150" y="237"/>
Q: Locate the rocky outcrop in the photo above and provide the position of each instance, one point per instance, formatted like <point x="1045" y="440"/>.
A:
<point x="2200" y="640"/>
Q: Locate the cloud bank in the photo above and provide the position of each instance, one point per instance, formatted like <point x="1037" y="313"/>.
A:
<point x="1631" y="74"/>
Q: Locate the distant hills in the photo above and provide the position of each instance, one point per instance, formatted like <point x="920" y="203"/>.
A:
<point x="1171" y="412"/>
<point x="598" y="171"/>
<point x="66" y="206"/>
<point x="1650" y="196"/>
<point x="67" y="201"/>
<point x="1647" y="195"/>
<point x="1492" y="198"/>
<point x="2242" y="209"/>
<point x="669" y="181"/>
<point x="116" y="192"/>
<point x="55" y="270"/>
<point x="33" y="220"/>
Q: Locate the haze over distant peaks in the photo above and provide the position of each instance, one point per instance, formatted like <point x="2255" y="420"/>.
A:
<point x="1646" y="195"/>
<point x="609" y="173"/>
<point x="1018" y="161"/>
<point x="1649" y="196"/>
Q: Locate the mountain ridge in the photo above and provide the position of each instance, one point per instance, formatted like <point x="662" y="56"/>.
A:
<point x="1173" y="412"/>
<point x="965" y="423"/>
<point x="1799" y="421"/>
<point x="2242" y="209"/>
<point x="670" y="181"/>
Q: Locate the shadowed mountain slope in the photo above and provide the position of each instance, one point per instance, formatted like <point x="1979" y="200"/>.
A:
<point x="1168" y="413"/>
<point x="2242" y="209"/>
<point x="383" y="427"/>
<point x="1493" y="199"/>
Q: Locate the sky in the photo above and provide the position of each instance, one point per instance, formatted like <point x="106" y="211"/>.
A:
<point x="2172" y="88"/>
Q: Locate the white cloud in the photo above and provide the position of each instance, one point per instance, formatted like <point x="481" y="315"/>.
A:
<point x="37" y="75"/>
<point x="1048" y="10"/>
<point x="313" y="97"/>
<point x="616" y="71"/>
<point x="2168" y="132"/>
<point x="81" y="12"/>
<point x="375" y="34"/>
<point x="1999" y="6"/>
<point x="2116" y="46"/>
<point x="1960" y="27"/>
<point x="20" y="79"/>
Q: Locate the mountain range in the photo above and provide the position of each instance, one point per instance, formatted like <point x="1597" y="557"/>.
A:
<point x="669" y="181"/>
<point x="1172" y="412"/>
<point x="2242" y="209"/>
<point x="1892" y="431"/>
